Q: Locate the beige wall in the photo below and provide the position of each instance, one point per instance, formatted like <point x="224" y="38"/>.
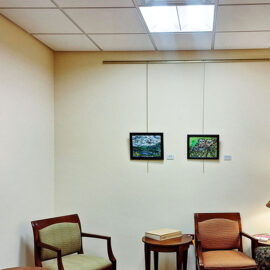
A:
<point x="96" y="106"/>
<point x="26" y="141"/>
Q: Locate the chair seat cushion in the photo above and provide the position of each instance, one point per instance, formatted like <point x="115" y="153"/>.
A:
<point x="227" y="258"/>
<point x="78" y="262"/>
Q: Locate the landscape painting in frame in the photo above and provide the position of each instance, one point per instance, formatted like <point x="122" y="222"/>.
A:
<point x="203" y="147"/>
<point x="147" y="146"/>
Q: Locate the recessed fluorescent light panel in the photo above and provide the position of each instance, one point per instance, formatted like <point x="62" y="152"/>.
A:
<point x="186" y="18"/>
<point x="161" y="18"/>
<point x="196" y="18"/>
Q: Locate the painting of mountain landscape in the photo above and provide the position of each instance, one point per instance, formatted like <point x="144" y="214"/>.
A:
<point x="146" y="146"/>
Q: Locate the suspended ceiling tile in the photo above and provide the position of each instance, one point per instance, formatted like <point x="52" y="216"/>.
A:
<point x="231" y="2"/>
<point x="243" y="18"/>
<point x="107" y="20"/>
<point x="242" y="40"/>
<point x="95" y="3"/>
<point x="183" y="41"/>
<point x="124" y="42"/>
<point x="41" y="20"/>
<point x="26" y="3"/>
<point x="67" y="42"/>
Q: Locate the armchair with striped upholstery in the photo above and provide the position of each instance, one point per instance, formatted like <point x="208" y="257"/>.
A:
<point x="218" y="239"/>
<point x="58" y="246"/>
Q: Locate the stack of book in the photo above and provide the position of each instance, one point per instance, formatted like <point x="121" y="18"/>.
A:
<point x="263" y="237"/>
<point x="163" y="234"/>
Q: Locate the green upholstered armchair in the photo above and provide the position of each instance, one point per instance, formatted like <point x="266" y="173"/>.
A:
<point x="58" y="246"/>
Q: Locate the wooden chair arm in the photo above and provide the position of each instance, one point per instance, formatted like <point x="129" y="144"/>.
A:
<point x="109" y="246"/>
<point x="95" y="236"/>
<point x="55" y="249"/>
<point x="50" y="247"/>
<point x="252" y="238"/>
<point x="254" y="243"/>
<point x="199" y="256"/>
<point x="198" y="247"/>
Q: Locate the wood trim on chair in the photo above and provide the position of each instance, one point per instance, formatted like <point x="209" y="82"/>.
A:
<point x="254" y="243"/>
<point x="206" y="216"/>
<point x="109" y="246"/>
<point x="198" y="251"/>
<point x="40" y="224"/>
<point x="38" y="245"/>
<point x="200" y="217"/>
<point x="55" y="249"/>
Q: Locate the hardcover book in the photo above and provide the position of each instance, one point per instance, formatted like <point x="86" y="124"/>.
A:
<point x="163" y="234"/>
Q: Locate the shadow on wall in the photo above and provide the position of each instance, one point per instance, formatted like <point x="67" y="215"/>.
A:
<point x="26" y="255"/>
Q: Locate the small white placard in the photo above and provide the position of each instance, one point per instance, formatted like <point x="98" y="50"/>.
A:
<point x="227" y="157"/>
<point x="170" y="157"/>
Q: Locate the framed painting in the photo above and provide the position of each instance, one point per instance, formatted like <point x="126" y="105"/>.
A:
<point x="146" y="146"/>
<point x="203" y="146"/>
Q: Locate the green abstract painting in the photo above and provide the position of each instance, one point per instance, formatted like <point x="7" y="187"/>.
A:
<point x="203" y="147"/>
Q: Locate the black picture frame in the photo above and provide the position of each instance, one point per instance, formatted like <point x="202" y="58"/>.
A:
<point x="202" y="154"/>
<point x="145" y="157"/>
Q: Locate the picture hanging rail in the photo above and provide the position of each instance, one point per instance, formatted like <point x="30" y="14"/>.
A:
<point x="146" y="146"/>
<point x="203" y="146"/>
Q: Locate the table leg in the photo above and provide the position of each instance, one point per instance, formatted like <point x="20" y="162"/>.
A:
<point x="147" y="256"/>
<point x="156" y="260"/>
<point x="179" y="257"/>
<point x="185" y="256"/>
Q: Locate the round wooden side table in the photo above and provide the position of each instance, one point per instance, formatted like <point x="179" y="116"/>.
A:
<point x="180" y="245"/>
<point x="264" y="244"/>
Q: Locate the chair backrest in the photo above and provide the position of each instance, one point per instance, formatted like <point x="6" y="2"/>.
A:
<point x="218" y="231"/>
<point x="62" y="232"/>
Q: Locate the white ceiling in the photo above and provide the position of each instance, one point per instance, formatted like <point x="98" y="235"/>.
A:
<point x="117" y="25"/>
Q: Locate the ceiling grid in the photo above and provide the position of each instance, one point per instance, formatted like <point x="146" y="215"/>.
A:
<point x="145" y="26"/>
<point x="214" y="26"/>
<point x="118" y="25"/>
<point x="75" y="23"/>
